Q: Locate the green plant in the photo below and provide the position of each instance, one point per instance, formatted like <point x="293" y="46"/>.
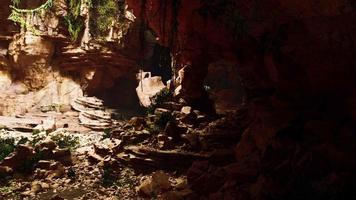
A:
<point x="65" y="141"/>
<point x="126" y="179"/>
<point x="7" y="146"/>
<point x="108" y="178"/>
<point x="28" y="165"/>
<point x="19" y="15"/>
<point x="73" y="20"/>
<point x="107" y="133"/>
<point x="163" y="119"/>
<point x="9" y="188"/>
<point x="163" y="96"/>
<point x="106" y="13"/>
<point x="36" y="137"/>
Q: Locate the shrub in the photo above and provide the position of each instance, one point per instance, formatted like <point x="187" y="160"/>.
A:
<point x="65" y="141"/>
<point x="162" y="96"/>
<point x="7" y="146"/>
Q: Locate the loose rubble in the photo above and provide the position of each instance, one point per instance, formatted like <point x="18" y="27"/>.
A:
<point x="86" y="153"/>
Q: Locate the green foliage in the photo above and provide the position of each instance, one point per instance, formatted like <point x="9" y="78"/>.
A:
<point x="36" y="137"/>
<point x="7" y="146"/>
<point x="108" y="178"/>
<point x="28" y="165"/>
<point x="75" y="27"/>
<point x="105" y="13"/>
<point x="65" y="141"/>
<point x="73" y="20"/>
<point x="107" y="134"/>
<point x="163" y="96"/>
<point x="163" y="119"/>
<point x="126" y="179"/>
<point x="9" y="188"/>
<point x="19" y="15"/>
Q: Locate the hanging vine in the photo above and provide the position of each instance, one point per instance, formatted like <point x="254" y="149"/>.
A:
<point x="19" y="16"/>
<point x="73" y="20"/>
<point x="105" y="15"/>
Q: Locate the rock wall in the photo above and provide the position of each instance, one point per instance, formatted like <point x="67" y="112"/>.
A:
<point x="295" y="59"/>
<point x="47" y="61"/>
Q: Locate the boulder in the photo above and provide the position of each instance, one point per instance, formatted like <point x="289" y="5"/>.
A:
<point x="17" y="159"/>
<point x="5" y="171"/>
<point x="158" y="182"/>
<point x="186" y="110"/>
<point x="147" y="88"/>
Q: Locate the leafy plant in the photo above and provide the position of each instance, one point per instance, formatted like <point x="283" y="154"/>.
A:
<point x="73" y="20"/>
<point x="105" y="13"/>
<point x="163" y="119"/>
<point x="108" y="178"/>
<point x="163" y="96"/>
<point x="36" y="137"/>
<point x="19" y="15"/>
<point x="126" y="179"/>
<point x="28" y="165"/>
<point x="107" y="134"/>
<point x="7" y="146"/>
<point x="65" y="141"/>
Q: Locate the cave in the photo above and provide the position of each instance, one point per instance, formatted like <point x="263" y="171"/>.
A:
<point x="177" y="99"/>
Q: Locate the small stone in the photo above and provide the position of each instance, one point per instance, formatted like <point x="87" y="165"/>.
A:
<point x="48" y="124"/>
<point x="63" y="155"/>
<point x="45" y="185"/>
<point x="47" y="143"/>
<point x="44" y="164"/>
<point x="94" y="158"/>
<point x="6" y="171"/>
<point x="159" y="111"/>
<point x="164" y="141"/>
<point x="173" y="130"/>
<point x="161" y="180"/>
<point x="36" y="187"/>
<point x="27" y="193"/>
<point x="137" y="122"/>
<point x="54" y="186"/>
<point x="58" y="171"/>
<point x="186" y="110"/>
<point x="181" y="184"/>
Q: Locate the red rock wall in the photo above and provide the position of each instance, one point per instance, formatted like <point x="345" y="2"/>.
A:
<point x="295" y="48"/>
<point x="296" y="60"/>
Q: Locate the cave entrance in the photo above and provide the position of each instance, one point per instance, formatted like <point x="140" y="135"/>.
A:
<point x="120" y="92"/>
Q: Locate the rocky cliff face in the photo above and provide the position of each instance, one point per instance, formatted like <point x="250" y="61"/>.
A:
<point x="42" y="59"/>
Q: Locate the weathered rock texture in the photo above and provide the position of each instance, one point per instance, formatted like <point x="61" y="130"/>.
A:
<point x="295" y="59"/>
<point x="296" y="62"/>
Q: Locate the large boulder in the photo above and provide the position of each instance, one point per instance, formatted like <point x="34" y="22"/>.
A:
<point x="149" y="87"/>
